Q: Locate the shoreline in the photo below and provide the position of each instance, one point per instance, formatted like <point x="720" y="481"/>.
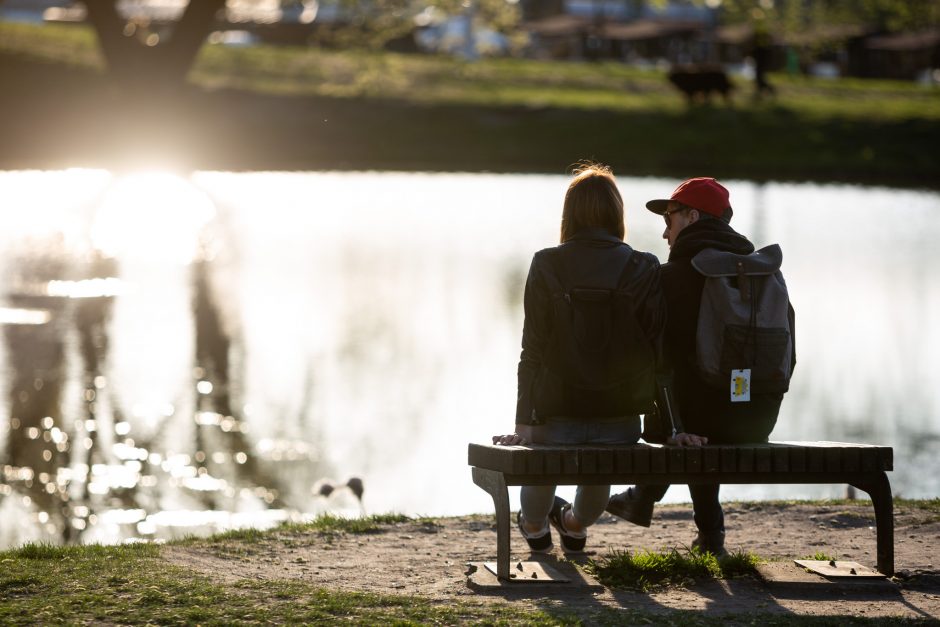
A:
<point x="54" y="116"/>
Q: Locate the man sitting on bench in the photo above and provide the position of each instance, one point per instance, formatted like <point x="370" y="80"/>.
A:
<point x="697" y="219"/>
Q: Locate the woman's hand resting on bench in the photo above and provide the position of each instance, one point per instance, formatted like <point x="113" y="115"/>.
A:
<point x="523" y="435"/>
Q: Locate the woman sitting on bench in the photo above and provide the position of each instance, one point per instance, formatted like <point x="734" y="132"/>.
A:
<point x="591" y="343"/>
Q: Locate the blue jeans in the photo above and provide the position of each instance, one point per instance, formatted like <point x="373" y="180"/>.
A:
<point x="590" y="500"/>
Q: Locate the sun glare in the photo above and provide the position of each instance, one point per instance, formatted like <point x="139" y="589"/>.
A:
<point x="153" y="216"/>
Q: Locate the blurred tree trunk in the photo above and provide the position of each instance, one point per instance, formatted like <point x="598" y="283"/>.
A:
<point x="535" y="9"/>
<point x="166" y="64"/>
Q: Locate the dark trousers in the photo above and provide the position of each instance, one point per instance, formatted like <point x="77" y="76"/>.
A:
<point x="707" y="512"/>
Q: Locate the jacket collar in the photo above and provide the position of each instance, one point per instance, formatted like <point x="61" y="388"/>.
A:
<point x="709" y="233"/>
<point x="595" y="233"/>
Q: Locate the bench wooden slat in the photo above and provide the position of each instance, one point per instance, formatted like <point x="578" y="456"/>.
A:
<point x="693" y="459"/>
<point x="745" y="459"/>
<point x="763" y="459"/>
<point x="676" y="460"/>
<point x="729" y="459"/>
<point x="834" y="459"/>
<point x="851" y="459"/>
<point x="869" y="460"/>
<point x="552" y="463"/>
<point x="641" y="460"/>
<point x="711" y="459"/>
<point x="605" y="461"/>
<point x="535" y="462"/>
<point x="569" y="462"/>
<point x="798" y="459"/>
<point x="623" y="460"/>
<point x="815" y="459"/>
<point x="658" y="462"/>
<point x="588" y="462"/>
<point x="781" y="458"/>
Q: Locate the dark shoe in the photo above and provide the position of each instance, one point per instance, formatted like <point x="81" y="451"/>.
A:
<point x="626" y="505"/>
<point x="541" y="543"/>
<point x="713" y="543"/>
<point x="571" y="543"/>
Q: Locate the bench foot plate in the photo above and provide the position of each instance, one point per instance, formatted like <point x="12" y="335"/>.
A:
<point x="530" y="572"/>
<point x="841" y="569"/>
<point x="481" y="576"/>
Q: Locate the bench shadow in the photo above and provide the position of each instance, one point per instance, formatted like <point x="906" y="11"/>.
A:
<point x="591" y="601"/>
<point x="748" y="595"/>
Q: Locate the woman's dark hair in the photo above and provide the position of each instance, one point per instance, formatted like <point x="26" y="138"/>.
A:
<point x="592" y="200"/>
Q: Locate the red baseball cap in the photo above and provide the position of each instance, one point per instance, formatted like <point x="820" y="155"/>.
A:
<point x="702" y="193"/>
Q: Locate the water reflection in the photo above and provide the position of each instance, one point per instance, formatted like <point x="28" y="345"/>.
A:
<point x="76" y="468"/>
<point x="186" y="356"/>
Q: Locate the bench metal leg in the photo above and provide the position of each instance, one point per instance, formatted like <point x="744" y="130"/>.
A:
<point x="879" y="490"/>
<point x="495" y="484"/>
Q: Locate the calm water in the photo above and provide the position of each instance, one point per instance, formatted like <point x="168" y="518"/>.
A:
<point x="184" y="356"/>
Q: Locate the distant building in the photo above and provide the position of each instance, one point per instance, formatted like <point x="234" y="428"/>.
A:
<point x="675" y="41"/>
<point x="902" y="55"/>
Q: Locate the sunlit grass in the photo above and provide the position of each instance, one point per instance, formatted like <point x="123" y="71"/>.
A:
<point x="325" y="524"/>
<point x="607" y="85"/>
<point x="44" y="585"/>
<point x="649" y="570"/>
<point x="329" y="523"/>
<point x="73" y="45"/>
<point x="397" y="111"/>
<point x="930" y="505"/>
<point x="45" y="551"/>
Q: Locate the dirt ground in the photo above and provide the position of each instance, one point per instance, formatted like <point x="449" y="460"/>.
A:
<point x="429" y="559"/>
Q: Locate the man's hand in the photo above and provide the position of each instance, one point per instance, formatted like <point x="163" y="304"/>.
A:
<point x="509" y="440"/>
<point x="687" y="439"/>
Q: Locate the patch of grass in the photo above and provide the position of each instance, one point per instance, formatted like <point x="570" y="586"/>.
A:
<point x="41" y="585"/>
<point x="53" y="43"/>
<point x="819" y="556"/>
<point x="45" y="551"/>
<point x="392" y="518"/>
<point x="249" y="534"/>
<point x="648" y="570"/>
<point x="929" y="505"/>
<point x="328" y="523"/>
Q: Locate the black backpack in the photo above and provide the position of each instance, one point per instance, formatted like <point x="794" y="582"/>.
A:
<point x="744" y="339"/>
<point x="599" y="362"/>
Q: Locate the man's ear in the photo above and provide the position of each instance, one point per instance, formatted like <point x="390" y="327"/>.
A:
<point x="693" y="216"/>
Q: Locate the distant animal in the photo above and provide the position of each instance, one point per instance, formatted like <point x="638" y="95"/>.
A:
<point x="700" y="81"/>
<point x="326" y="487"/>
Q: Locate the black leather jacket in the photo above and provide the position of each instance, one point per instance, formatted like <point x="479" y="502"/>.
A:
<point x="593" y="257"/>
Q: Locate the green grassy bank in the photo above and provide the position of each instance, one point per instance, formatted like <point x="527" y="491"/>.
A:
<point x="300" y="108"/>
<point x="132" y="584"/>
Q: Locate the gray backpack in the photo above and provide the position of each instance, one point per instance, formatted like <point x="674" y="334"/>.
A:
<point x="743" y="340"/>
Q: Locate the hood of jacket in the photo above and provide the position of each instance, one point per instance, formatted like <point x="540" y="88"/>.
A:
<point x="709" y="233"/>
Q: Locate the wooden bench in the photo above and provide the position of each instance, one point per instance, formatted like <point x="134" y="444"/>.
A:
<point x="859" y="465"/>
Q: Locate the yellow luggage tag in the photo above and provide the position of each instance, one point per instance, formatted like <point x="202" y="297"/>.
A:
<point x="741" y="386"/>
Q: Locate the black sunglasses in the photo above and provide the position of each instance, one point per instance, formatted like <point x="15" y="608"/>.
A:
<point x="667" y="215"/>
